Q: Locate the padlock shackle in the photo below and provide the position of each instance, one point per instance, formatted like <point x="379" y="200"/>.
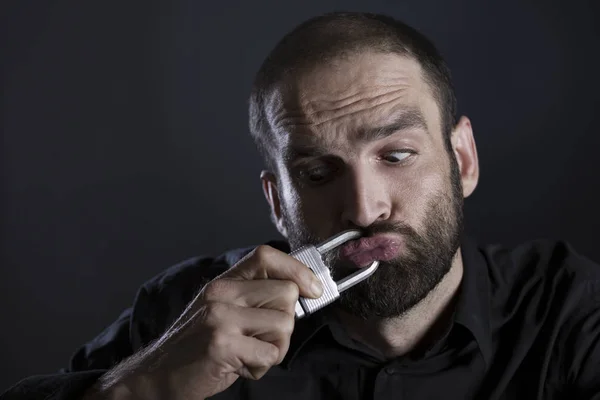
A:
<point x="338" y="240"/>
<point x="357" y="277"/>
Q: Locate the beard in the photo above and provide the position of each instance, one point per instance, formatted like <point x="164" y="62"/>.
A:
<point x="401" y="283"/>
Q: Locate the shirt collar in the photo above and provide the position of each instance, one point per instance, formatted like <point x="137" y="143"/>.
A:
<point x="473" y="303"/>
<point x="472" y="308"/>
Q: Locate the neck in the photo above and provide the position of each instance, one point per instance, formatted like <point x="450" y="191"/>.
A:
<point x="419" y="327"/>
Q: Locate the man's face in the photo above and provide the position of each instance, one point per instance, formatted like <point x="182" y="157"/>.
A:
<point x="361" y="146"/>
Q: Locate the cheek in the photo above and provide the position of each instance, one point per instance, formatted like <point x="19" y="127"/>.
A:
<point x="288" y="196"/>
<point x="317" y="205"/>
<point x="313" y="211"/>
<point x="417" y="180"/>
<point x="304" y="207"/>
<point x="292" y="203"/>
<point x="412" y="191"/>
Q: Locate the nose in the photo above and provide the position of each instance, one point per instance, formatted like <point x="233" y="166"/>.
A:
<point x="365" y="198"/>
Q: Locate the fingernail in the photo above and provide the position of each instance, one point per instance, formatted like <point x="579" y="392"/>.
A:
<point x="317" y="288"/>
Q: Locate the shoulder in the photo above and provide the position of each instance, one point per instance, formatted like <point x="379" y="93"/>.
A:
<point x="543" y="280"/>
<point x="552" y="291"/>
<point x="546" y="262"/>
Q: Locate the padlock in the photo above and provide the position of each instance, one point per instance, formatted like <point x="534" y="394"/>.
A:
<point x="311" y="256"/>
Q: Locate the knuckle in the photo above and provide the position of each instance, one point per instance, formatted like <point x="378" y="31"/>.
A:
<point x="213" y="312"/>
<point x="215" y="289"/>
<point x="219" y="344"/>
<point x="286" y="325"/>
<point x="262" y="252"/>
<point x="267" y="355"/>
<point x="290" y="289"/>
<point x="219" y="340"/>
<point x="290" y="293"/>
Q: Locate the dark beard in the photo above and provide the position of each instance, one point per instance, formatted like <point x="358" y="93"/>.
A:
<point x="400" y="284"/>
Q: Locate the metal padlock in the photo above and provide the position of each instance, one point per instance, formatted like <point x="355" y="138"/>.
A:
<point x="311" y="256"/>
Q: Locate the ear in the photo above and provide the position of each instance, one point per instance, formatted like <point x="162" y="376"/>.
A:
<point x="269" y="185"/>
<point x="465" y="151"/>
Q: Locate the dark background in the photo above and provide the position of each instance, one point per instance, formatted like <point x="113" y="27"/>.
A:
<point x="125" y="146"/>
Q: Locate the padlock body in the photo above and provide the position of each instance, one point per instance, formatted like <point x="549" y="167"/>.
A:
<point x="310" y="257"/>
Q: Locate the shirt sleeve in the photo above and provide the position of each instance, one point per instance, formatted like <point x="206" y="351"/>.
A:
<point x="157" y="304"/>
<point x="88" y="363"/>
<point x="584" y="371"/>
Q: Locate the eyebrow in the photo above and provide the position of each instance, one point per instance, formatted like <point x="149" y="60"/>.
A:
<point x="408" y="119"/>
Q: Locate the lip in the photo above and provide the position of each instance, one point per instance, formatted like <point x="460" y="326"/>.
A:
<point x="364" y="251"/>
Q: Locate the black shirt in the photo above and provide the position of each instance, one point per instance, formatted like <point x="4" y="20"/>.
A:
<point x="526" y="326"/>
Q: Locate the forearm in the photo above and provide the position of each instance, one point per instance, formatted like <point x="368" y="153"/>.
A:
<point x="129" y="380"/>
<point x="145" y="376"/>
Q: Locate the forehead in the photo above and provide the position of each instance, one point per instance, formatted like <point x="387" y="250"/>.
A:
<point x="332" y="101"/>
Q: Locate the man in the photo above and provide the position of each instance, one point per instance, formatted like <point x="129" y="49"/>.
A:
<point x="355" y="117"/>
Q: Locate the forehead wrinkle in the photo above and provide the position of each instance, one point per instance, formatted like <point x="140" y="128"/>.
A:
<point x="317" y="103"/>
<point x="322" y="145"/>
<point x="366" y="73"/>
<point x="304" y="115"/>
<point x="312" y="103"/>
<point x="314" y="140"/>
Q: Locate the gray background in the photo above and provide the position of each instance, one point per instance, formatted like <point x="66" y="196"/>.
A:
<point x="125" y="146"/>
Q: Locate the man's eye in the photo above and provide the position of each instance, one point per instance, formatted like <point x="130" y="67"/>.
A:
<point x="396" y="157"/>
<point x="315" y="174"/>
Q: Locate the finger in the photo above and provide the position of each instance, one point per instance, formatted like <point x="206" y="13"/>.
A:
<point x="273" y="294"/>
<point x="257" y="361"/>
<point x="270" y="326"/>
<point x="266" y="262"/>
<point x="247" y="356"/>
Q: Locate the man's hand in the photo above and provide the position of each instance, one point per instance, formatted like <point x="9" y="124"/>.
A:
<point x="239" y="325"/>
